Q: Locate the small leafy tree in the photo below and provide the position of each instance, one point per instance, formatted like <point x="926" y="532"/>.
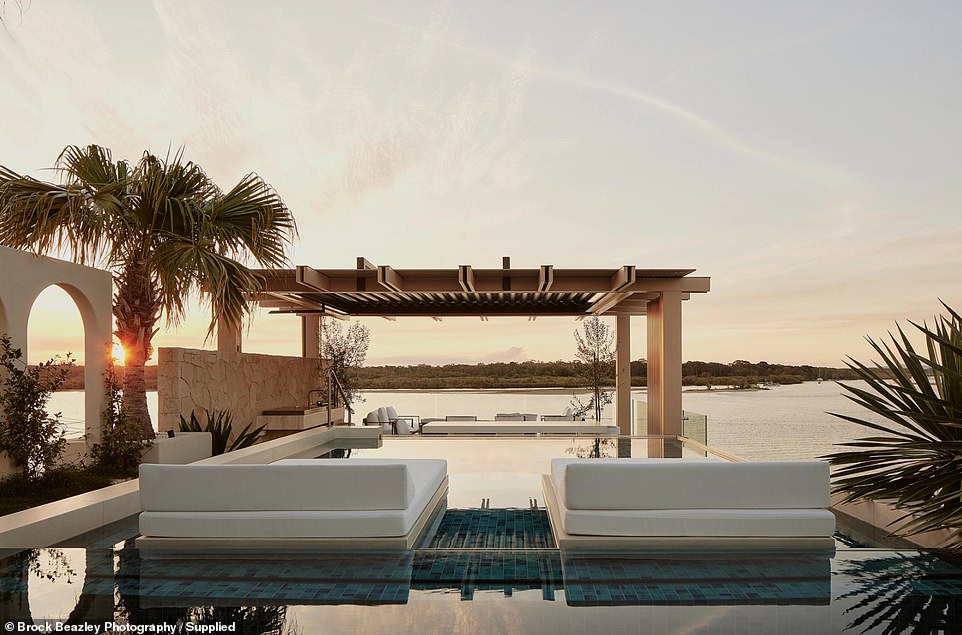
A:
<point x="32" y="437"/>
<point x="345" y="351"/>
<point x="121" y="446"/>
<point x="596" y="352"/>
<point x="916" y="400"/>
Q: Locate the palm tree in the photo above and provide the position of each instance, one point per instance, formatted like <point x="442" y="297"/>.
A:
<point x="164" y="230"/>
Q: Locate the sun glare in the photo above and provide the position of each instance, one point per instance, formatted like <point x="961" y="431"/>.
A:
<point x="118" y="354"/>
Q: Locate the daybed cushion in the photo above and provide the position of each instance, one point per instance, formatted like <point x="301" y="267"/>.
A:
<point x="614" y="484"/>
<point x="701" y="522"/>
<point x="692" y="497"/>
<point x="310" y="498"/>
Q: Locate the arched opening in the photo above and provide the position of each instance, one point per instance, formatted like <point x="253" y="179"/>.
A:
<point x="53" y="588"/>
<point x="54" y="329"/>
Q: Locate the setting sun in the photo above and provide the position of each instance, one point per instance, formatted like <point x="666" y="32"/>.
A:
<point x="117" y="353"/>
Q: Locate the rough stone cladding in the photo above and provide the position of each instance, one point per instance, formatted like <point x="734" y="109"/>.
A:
<point x="190" y="380"/>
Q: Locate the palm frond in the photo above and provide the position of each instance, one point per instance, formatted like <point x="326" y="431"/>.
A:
<point x="45" y="217"/>
<point x="917" y="463"/>
<point x="183" y="267"/>
<point x="252" y="218"/>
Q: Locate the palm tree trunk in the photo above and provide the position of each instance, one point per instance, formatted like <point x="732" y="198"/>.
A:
<point x="137" y="310"/>
<point x="135" y="390"/>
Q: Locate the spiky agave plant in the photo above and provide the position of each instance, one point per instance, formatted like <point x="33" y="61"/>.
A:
<point x="220" y="424"/>
<point x="917" y="462"/>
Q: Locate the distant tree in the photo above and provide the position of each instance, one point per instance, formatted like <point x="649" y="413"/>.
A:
<point x="595" y="350"/>
<point x="345" y="351"/>
<point x="31" y="436"/>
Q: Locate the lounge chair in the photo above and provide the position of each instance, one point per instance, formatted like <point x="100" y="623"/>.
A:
<point x="403" y="424"/>
<point x="390" y="422"/>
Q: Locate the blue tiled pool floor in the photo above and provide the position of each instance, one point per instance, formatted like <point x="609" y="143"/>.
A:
<point x="493" y="529"/>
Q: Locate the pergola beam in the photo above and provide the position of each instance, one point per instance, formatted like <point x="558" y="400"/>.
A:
<point x="607" y="303"/>
<point x="466" y="278"/>
<point x="622" y="278"/>
<point x="545" y="278"/>
<point x="389" y="278"/>
<point x="286" y="300"/>
<point x="310" y="277"/>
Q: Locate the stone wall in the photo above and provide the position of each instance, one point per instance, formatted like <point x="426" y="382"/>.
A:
<point x="190" y="380"/>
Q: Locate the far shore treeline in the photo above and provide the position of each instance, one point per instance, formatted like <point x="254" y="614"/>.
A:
<point x="738" y="374"/>
<point x="560" y="374"/>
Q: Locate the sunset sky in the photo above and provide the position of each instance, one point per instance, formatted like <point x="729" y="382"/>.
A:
<point x="805" y="156"/>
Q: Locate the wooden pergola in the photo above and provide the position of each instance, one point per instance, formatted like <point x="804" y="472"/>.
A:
<point x="383" y="291"/>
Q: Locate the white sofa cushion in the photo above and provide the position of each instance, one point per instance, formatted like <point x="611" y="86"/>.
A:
<point x="425" y="475"/>
<point x="639" y="484"/>
<point x="701" y="522"/>
<point x="324" y="484"/>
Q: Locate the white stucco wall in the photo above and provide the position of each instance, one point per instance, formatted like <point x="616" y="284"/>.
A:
<point x="23" y="276"/>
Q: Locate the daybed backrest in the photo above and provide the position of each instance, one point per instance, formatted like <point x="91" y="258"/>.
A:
<point x="324" y="485"/>
<point x="690" y="484"/>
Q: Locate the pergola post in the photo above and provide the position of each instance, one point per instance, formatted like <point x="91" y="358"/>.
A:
<point x="664" y="364"/>
<point x="228" y="337"/>
<point x="311" y="336"/>
<point x="623" y="373"/>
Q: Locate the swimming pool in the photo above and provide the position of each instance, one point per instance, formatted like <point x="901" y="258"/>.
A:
<point x="489" y="567"/>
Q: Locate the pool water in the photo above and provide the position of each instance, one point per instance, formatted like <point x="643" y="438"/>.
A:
<point x="489" y="590"/>
<point x="488" y="565"/>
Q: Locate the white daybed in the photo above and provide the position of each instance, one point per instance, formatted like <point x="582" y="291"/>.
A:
<point x="672" y="503"/>
<point x="293" y="503"/>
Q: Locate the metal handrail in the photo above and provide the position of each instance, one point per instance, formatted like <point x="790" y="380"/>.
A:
<point x="332" y="383"/>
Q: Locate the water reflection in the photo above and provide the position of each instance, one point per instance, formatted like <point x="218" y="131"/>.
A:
<point x="902" y="593"/>
<point x="869" y="590"/>
<point x="640" y="579"/>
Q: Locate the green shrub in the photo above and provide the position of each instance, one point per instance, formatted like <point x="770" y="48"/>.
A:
<point x="121" y="445"/>
<point x="31" y="436"/>
<point x="18" y="492"/>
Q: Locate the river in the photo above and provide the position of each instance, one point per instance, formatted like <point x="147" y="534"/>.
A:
<point x="783" y="422"/>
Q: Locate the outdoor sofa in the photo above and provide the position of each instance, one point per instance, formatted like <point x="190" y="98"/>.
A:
<point x="683" y="503"/>
<point x="295" y="503"/>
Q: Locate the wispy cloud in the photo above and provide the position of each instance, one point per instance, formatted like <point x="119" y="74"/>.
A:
<point x="685" y="117"/>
